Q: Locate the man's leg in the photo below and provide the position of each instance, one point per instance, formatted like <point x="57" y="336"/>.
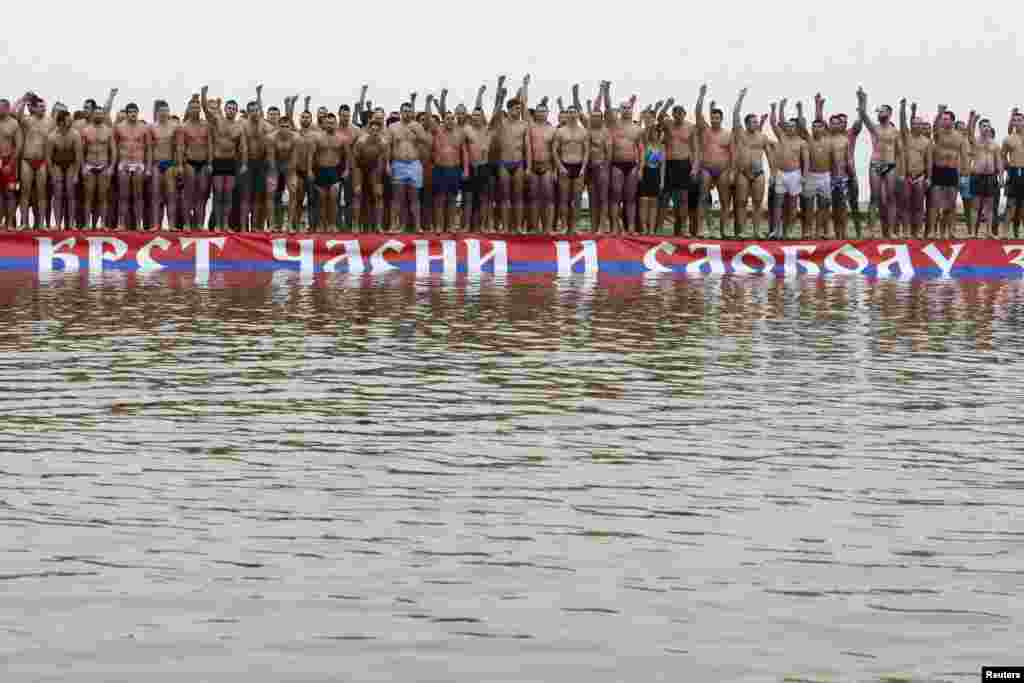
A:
<point x="741" y="189"/>
<point x="415" y="210"/>
<point x="615" y="198"/>
<point x="28" y="178"/>
<point x="138" y="199"/>
<point x="823" y="199"/>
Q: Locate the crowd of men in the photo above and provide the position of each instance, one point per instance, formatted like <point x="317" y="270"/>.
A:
<point x="506" y="170"/>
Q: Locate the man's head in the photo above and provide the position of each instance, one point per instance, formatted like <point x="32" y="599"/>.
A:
<point x="596" y="118"/>
<point x="330" y="122"/>
<point x="252" y="111"/>
<point x="379" y="116"/>
<point x="230" y="110"/>
<point x="986" y="129"/>
<point x="477" y="118"/>
<point x="132" y="112"/>
<point x="884" y="113"/>
<point x="193" y="110"/>
<point x="321" y="112"/>
<point x="678" y="113"/>
<point x="375" y="127"/>
<point x="344" y="115"/>
<point x="461" y="115"/>
<point x="274" y="116"/>
<point x="837" y="123"/>
<point x="37" y="107"/>
<point x="626" y="111"/>
<point x="917" y="125"/>
<point x="540" y="114"/>
<point x="449" y="120"/>
<point x="88" y="105"/>
<point x="947" y="120"/>
<point x="306" y="119"/>
<point x="514" y="108"/>
<point x="163" y="111"/>
<point x="99" y="116"/>
<point x="1017" y="122"/>
<point x="818" y="128"/>
<point x="716" y="118"/>
<point x="405" y="112"/>
<point x="572" y="116"/>
<point x="63" y="119"/>
<point x="750" y="122"/>
<point x="789" y="127"/>
<point x="285" y="124"/>
<point x="5" y="108"/>
<point x="961" y="126"/>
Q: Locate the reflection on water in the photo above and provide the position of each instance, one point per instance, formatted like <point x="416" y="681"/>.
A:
<point x="524" y="479"/>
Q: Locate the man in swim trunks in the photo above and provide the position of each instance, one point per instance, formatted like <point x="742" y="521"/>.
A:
<point x="542" y="172"/>
<point x="64" y="153"/>
<point x="917" y="147"/>
<point x="280" y="152"/>
<point x="305" y="185"/>
<point x="477" y="190"/>
<point x="252" y="193"/>
<point x="513" y="149"/>
<point x="98" y="169"/>
<point x="598" y="169"/>
<point x="626" y="145"/>
<point x="967" y="186"/>
<point x="988" y="169"/>
<point x="683" y="173"/>
<point x="716" y="160"/>
<point x="134" y="154"/>
<point x="817" y="187"/>
<point x="370" y="158"/>
<point x="749" y="153"/>
<point x="195" y="147"/>
<point x="791" y="158"/>
<point x="230" y="155"/>
<point x="451" y="165"/>
<point x="36" y="129"/>
<point x="950" y="155"/>
<point x="406" y="137"/>
<point x="10" y="152"/>
<point x="1013" y="161"/>
<point x="843" y="179"/>
<point x="571" y="150"/>
<point x="885" y="139"/>
<point x="348" y="133"/>
<point x="329" y="166"/>
<point x="164" y="185"/>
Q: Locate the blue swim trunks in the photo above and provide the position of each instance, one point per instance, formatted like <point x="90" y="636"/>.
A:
<point x="407" y="173"/>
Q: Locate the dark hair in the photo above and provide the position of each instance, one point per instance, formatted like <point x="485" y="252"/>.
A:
<point x="273" y="109"/>
<point x="91" y="102"/>
<point x="345" y="107"/>
<point x="749" y="117"/>
<point x="513" y="103"/>
<point x="230" y="102"/>
<point x="161" y="103"/>
<point x="131" y="107"/>
<point x="817" y="121"/>
<point x="330" y="115"/>
<point x="478" y="109"/>
<point x="718" y="111"/>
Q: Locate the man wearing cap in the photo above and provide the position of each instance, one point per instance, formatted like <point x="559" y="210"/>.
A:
<point x="134" y="153"/>
<point x="885" y="148"/>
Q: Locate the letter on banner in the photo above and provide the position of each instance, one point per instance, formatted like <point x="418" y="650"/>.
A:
<point x="498" y="254"/>
<point x="851" y="252"/>
<point x="202" y="245"/>
<point x="946" y="265"/>
<point x="792" y="261"/>
<point x="378" y="264"/>
<point x="758" y="252"/>
<point x="147" y="263"/>
<point x="713" y="257"/>
<point x="588" y="254"/>
<point x="47" y="252"/>
<point x="1017" y="260"/>
<point x="353" y="254"/>
<point x="97" y="256"/>
<point x="304" y="259"/>
<point x="448" y="258"/>
<point x="651" y="257"/>
<point x="900" y="259"/>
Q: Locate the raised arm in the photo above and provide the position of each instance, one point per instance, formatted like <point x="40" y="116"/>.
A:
<point x="561" y="104"/>
<point x="576" y="98"/>
<point x="972" y="126"/>
<point x="862" y="112"/>
<point x="801" y="122"/>
<point x="773" y="119"/>
<point x="361" y="104"/>
<point x="903" y="118"/>
<point x="431" y="125"/>
<point x="412" y="100"/>
<point x="479" y="104"/>
<point x="443" y="104"/>
<point x="499" y="100"/>
<point x="108" y="107"/>
<point x="737" y="114"/>
<point x="526" y="91"/>
<point x="259" y="99"/>
<point x="699" y="110"/>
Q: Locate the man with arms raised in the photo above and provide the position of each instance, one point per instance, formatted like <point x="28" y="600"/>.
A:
<point x="716" y="159"/>
<point x="626" y="151"/>
<point x="230" y="155"/>
<point x="917" y="152"/>
<point x="195" y="147"/>
<point x="822" y="162"/>
<point x="513" y="157"/>
<point x="451" y="165"/>
<point x="252" y="193"/>
<point x="35" y="131"/>
<point x="134" y="154"/>
<point x="329" y="166"/>
<point x="749" y="154"/>
<point x="791" y="158"/>
<point x="10" y="152"/>
<point x="369" y="159"/>
<point x="477" y="190"/>
<point x="163" y="136"/>
<point x="348" y="134"/>
<point x="683" y="169"/>
<point x="406" y="136"/>
<point x="571" y="149"/>
<point x="950" y="155"/>
<point x="64" y="154"/>
<point x="885" y="149"/>
<point x="99" y="167"/>
<point x="280" y="152"/>
<point x="598" y="164"/>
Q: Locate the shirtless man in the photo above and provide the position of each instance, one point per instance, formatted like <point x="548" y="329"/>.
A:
<point x="885" y="139"/>
<point x="328" y="163"/>
<point x="988" y="169"/>
<point x="348" y="133"/>
<point x="163" y="137"/>
<point x="749" y="145"/>
<point x="571" y="148"/>
<point x="195" y="147"/>
<point x="1013" y="160"/>
<point x="134" y="154"/>
<point x="817" y="190"/>
<point x="477" y="190"/>
<point x="844" y="178"/>
<point x="627" y="151"/>
<point x="405" y="137"/>
<point x="10" y="152"/>
<point x="36" y="129"/>
<point x="252" y="195"/>
<point x="304" y="185"/>
<point x="950" y="155"/>
<point x="230" y="154"/>
<point x="683" y="173"/>
<point x="99" y="167"/>
<point x="64" y="154"/>
<point x="280" y="152"/>
<point x="917" y="152"/>
<point x="510" y="133"/>
<point x="716" y="159"/>
<point x="542" y="172"/>
<point x="791" y="158"/>
<point x="451" y="165"/>
<point x="369" y="159"/>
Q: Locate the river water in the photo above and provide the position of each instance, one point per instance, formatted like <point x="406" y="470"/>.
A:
<point x="253" y="478"/>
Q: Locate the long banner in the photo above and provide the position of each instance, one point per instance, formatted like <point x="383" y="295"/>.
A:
<point x="450" y="255"/>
